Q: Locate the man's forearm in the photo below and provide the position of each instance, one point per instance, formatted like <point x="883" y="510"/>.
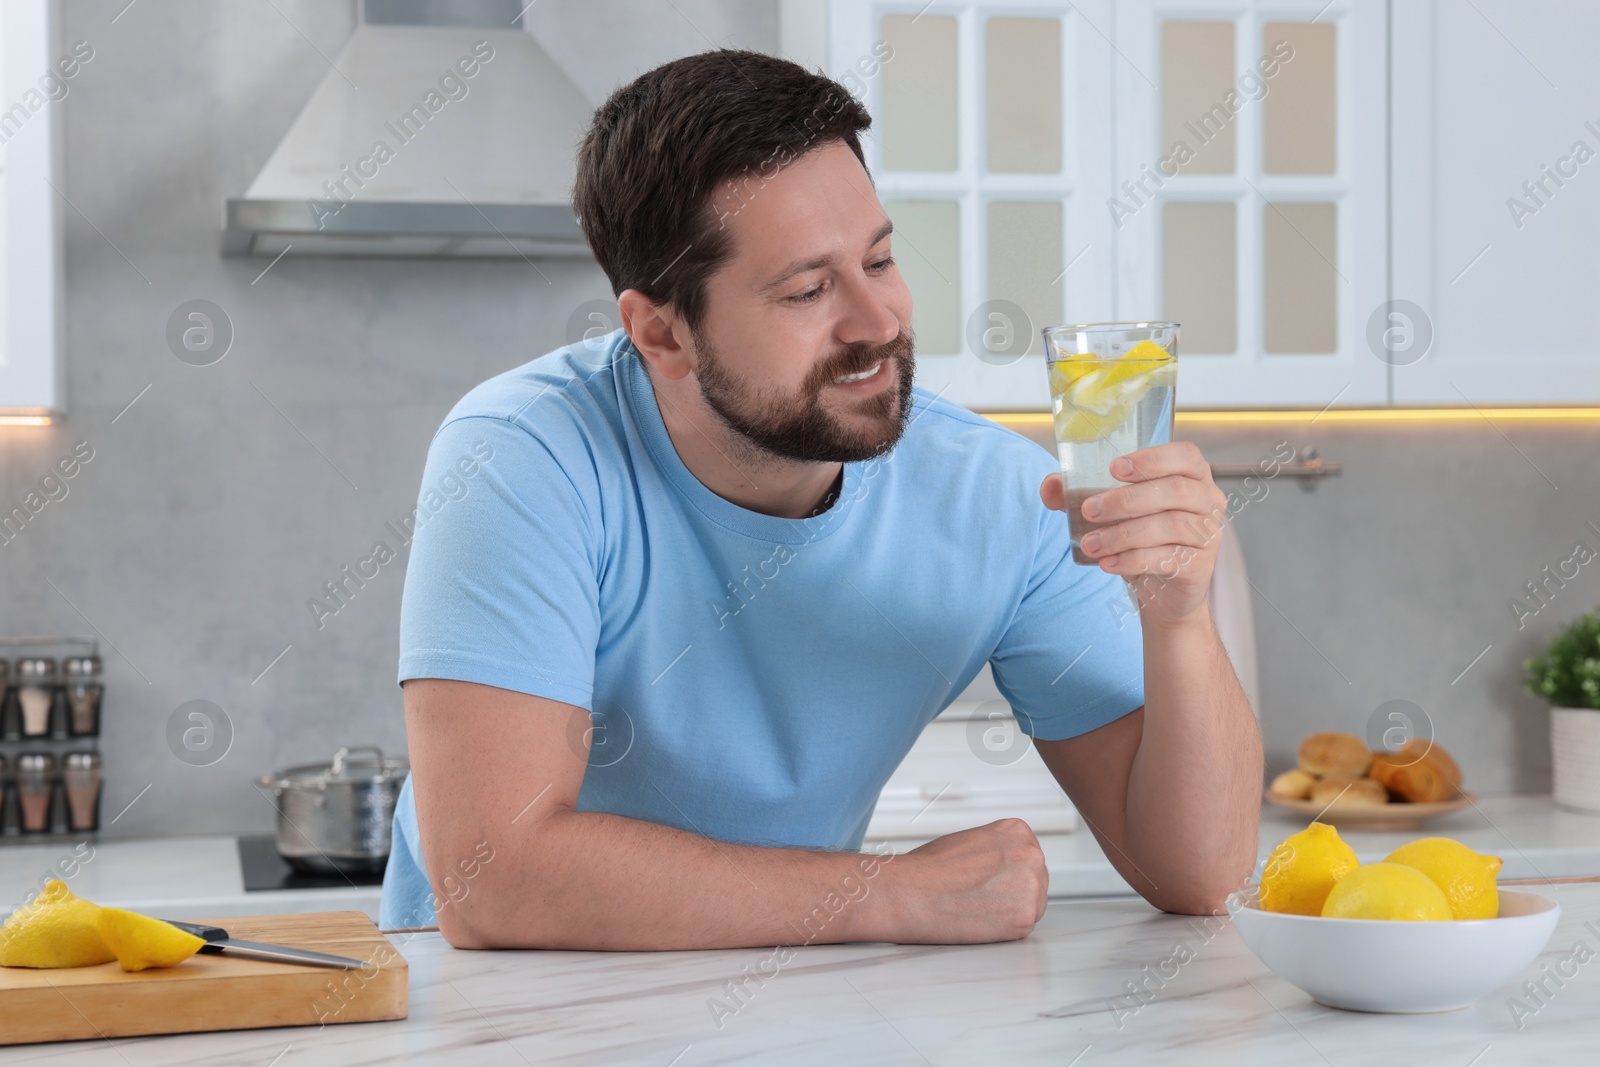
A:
<point x="589" y="880"/>
<point x="514" y="873"/>
<point x="1194" y="789"/>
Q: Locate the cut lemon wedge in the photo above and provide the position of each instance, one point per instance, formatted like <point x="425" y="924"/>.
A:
<point x="140" y="941"/>
<point x="1092" y="396"/>
<point x="56" y="929"/>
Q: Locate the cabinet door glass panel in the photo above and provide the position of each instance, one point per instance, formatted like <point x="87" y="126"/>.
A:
<point x="1199" y="274"/>
<point x="1299" y="117"/>
<point x="1196" y="78"/>
<point x="1025" y="263"/>
<point x="1300" y="283"/>
<point x="919" y="125"/>
<point x="1022" y="70"/>
<point x="927" y="248"/>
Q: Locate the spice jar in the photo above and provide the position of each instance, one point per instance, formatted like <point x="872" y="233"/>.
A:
<point x="10" y="716"/>
<point x="36" y="783"/>
<point x="84" y="692"/>
<point x="36" y="687"/>
<point x="82" y="780"/>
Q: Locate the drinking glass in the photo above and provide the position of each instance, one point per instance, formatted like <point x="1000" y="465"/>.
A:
<point x="1112" y="390"/>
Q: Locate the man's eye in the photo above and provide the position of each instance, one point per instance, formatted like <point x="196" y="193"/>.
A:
<point x="883" y="264"/>
<point x="808" y="296"/>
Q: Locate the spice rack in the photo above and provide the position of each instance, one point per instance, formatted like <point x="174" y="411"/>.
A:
<point x="51" y="702"/>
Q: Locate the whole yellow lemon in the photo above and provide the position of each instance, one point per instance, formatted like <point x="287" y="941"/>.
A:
<point x="1387" y="891"/>
<point x="1303" y="869"/>
<point x="1467" y="877"/>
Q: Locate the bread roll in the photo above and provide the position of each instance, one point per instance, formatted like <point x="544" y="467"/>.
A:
<point x="1334" y="755"/>
<point x="1339" y="792"/>
<point x="1292" y="785"/>
<point x="1422" y="772"/>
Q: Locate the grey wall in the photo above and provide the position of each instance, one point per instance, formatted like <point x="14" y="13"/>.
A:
<point x="1386" y="582"/>
<point x="603" y="43"/>
<point x="206" y="520"/>
<point x="1401" y="571"/>
<point x="227" y="495"/>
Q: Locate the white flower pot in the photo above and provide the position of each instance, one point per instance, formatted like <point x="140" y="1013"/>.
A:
<point x="1575" y="757"/>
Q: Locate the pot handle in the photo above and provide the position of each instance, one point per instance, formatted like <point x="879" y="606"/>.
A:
<point x="339" y="757"/>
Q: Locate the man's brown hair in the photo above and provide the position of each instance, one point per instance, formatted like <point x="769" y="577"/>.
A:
<point x="662" y="145"/>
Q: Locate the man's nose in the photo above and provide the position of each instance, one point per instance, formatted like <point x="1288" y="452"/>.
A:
<point x="867" y="319"/>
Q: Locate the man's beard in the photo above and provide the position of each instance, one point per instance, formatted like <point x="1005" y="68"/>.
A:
<point x="798" y="427"/>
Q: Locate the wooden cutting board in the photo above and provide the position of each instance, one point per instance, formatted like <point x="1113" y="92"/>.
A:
<point x="212" y="991"/>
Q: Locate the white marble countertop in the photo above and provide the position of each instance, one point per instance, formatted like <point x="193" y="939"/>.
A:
<point x="1061" y="996"/>
<point x="1532" y="836"/>
<point x="167" y="876"/>
<point x="200" y="875"/>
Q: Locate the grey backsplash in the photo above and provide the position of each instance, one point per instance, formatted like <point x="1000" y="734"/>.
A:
<point x="226" y="496"/>
<point x="1387" y="582"/>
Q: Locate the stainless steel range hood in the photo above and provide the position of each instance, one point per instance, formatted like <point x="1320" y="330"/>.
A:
<point x="423" y="141"/>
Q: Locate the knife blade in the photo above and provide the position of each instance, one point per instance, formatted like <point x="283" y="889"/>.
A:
<point x="217" y="940"/>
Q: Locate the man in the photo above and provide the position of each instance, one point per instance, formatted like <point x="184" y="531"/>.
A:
<point x="708" y="577"/>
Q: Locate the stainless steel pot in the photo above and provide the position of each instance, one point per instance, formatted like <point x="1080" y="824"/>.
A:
<point x="336" y="817"/>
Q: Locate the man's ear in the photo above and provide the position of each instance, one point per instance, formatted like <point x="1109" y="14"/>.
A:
<point x="658" y="333"/>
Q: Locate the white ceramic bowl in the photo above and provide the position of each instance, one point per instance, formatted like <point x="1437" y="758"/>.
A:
<point x="1387" y="966"/>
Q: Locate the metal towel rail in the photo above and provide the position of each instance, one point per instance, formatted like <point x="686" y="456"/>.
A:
<point x="1305" y="466"/>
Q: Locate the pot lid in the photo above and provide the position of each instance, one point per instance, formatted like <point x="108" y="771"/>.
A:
<point x="346" y="767"/>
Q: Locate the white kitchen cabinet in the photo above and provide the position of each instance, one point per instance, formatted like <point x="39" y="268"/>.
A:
<point x="1250" y="193"/>
<point x="1018" y="147"/>
<point x="1399" y="214"/>
<point x="990" y="151"/>
<point x="32" y="77"/>
<point x="1497" y="201"/>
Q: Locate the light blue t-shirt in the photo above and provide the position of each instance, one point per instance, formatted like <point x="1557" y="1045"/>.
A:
<point x="750" y="678"/>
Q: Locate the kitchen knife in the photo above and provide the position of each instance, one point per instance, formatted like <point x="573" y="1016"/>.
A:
<point x="217" y="940"/>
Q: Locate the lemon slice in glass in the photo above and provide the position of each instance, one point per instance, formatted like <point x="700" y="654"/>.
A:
<point x="1094" y="396"/>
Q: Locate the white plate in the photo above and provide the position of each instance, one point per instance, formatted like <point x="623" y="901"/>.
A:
<point x="1393" y="816"/>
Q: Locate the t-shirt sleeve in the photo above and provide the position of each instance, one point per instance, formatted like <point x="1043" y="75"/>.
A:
<point x="1072" y="659"/>
<point x="501" y="587"/>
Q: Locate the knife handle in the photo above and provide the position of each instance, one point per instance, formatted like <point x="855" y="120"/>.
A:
<point x="207" y="933"/>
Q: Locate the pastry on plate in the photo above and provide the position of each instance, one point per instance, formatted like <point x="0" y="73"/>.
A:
<point x="1421" y="772"/>
<point x="1344" y="792"/>
<point x="1292" y="785"/>
<point x="1334" y="755"/>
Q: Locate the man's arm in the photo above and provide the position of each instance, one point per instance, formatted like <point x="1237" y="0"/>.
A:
<point x="1173" y="790"/>
<point x="503" y="769"/>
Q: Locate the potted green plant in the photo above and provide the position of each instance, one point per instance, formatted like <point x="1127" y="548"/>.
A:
<point x="1568" y="676"/>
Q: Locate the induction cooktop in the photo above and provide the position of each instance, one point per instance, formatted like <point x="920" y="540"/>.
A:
<point x="263" y="868"/>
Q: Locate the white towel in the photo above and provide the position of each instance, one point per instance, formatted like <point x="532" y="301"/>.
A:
<point x="1235" y="619"/>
